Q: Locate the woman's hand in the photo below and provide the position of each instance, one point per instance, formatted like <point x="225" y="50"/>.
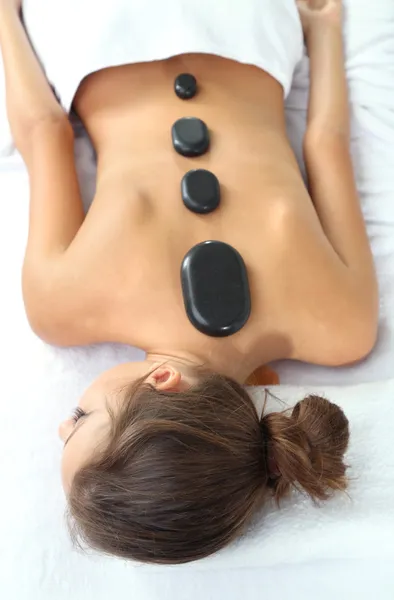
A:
<point x="318" y="14"/>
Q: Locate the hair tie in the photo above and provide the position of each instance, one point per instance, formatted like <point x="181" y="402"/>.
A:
<point x="272" y="467"/>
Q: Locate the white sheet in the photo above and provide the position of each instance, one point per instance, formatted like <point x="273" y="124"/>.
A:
<point x="343" y="550"/>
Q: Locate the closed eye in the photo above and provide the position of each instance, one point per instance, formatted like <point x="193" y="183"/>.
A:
<point x="77" y="414"/>
<point x="80" y="421"/>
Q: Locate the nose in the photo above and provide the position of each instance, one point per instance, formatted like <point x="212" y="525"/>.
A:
<point x="65" y="429"/>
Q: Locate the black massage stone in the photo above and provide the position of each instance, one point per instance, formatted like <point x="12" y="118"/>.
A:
<point x="190" y="137"/>
<point x="200" y="191"/>
<point x="215" y="289"/>
<point x="185" y="86"/>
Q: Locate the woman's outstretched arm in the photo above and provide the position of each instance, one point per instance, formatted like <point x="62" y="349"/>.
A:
<point x="30" y="100"/>
<point x="43" y="135"/>
<point x="327" y="147"/>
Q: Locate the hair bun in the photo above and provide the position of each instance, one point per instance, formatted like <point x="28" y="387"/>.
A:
<point x="324" y="423"/>
<point x="308" y="447"/>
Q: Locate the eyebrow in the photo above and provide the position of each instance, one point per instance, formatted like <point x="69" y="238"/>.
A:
<point x="77" y="427"/>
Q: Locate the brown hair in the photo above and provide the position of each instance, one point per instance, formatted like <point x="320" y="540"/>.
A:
<point x="182" y="474"/>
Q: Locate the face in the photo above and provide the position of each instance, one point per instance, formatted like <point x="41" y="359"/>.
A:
<point x="90" y="422"/>
<point x="89" y="425"/>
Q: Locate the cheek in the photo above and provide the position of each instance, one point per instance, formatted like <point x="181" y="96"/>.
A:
<point x="69" y="467"/>
<point x="70" y="463"/>
<point x="66" y="479"/>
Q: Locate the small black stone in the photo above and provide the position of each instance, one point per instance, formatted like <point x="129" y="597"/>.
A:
<point x="185" y="86"/>
<point x="200" y="191"/>
<point x="190" y="137"/>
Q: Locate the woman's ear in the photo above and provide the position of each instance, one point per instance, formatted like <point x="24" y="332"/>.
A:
<point x="165" y="378"/>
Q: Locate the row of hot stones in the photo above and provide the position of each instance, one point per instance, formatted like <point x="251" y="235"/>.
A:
<point x="214" y="278"/>
<point x="190" y="137"/>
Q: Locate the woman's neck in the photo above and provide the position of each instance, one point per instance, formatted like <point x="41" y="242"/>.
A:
<point x="228" y="363"/>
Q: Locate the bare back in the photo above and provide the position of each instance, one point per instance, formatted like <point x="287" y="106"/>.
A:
<point x="128" y="253"/>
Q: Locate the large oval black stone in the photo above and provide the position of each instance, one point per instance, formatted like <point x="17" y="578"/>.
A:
<point x="190" y="136"/>
<point x="185" y="86"/>
<point x="215" y="288"/>
<point x="200" y="191"/>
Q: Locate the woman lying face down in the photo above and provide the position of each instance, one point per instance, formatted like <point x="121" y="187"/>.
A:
<point x="167" y="460"/>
